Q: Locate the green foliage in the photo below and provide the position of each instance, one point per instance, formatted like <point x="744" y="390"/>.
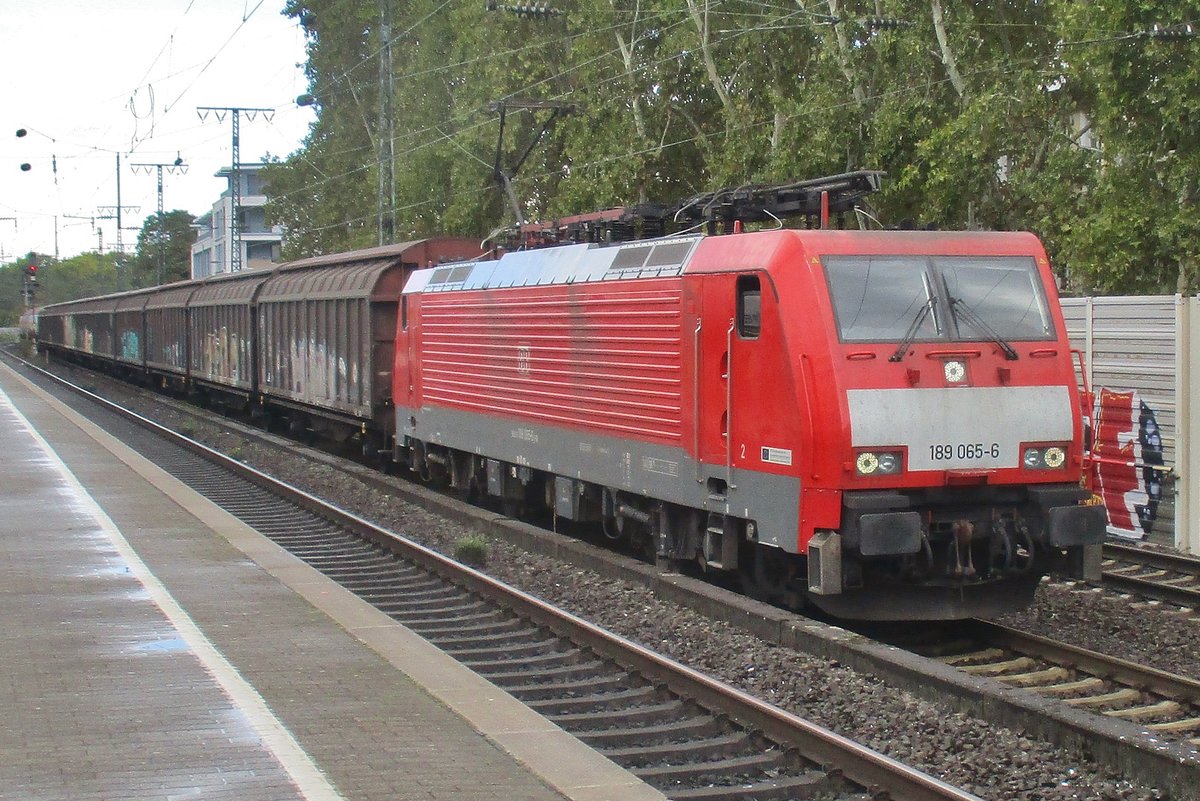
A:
<point x="1057" y="117"/>
<point x="472" y="550"/>
<point x="81" y="276"/>
<point x="1143" y="97"/>
<point x="11" y="301"/>
<point x="164" y="251"/>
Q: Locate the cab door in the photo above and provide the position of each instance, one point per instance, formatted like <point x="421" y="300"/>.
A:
<point x="405" y="355"/>
<point x="711" y="326"/>
<point x="727" y="324"/>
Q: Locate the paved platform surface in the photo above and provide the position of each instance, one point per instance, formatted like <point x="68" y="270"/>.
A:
<point x="154" y="647"/>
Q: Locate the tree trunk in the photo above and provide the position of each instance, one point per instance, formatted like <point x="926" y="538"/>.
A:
<point x="700" y="18"/>
<point x="843" y="49"/>
<point x="939" y="27"/>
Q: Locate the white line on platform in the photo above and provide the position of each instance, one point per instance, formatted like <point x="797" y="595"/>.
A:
<point x="305" y="774"/>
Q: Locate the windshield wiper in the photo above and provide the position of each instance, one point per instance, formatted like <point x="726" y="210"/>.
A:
<point x="973" y="320"/>
<point x="911" y="334"/>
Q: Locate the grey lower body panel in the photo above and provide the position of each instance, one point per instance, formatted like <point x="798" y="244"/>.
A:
<point x="661" y="472"/>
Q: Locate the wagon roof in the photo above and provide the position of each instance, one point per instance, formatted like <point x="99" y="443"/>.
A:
<point x="418" y="253"/>
<point x="134" y="300"/>
<point x="374" y="273"/>
<point x="236" y="287"/>
<point x="172" y="296"/>
<point x="104" y="303"/>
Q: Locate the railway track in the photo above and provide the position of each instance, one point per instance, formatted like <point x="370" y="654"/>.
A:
<point x="686" y="734"/>
<point x="973" y="665"/>
<point x="1164" y="704"/>
<point x="1161" y="576"/>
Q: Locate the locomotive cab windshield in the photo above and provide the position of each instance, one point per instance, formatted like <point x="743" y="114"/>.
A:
<point x="907" y="299"/>
<point x="962" y="465"/>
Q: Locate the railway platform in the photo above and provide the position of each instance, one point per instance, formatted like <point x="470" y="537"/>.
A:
<point x="154" y="647"/>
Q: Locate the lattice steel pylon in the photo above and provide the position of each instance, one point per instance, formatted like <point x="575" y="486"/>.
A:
<point x="171" y="168"/>
<point x="235" y="183"/>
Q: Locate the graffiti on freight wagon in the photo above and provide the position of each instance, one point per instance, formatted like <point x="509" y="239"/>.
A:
<point x="1128" y="449"/>
<point x="131" y="346"/>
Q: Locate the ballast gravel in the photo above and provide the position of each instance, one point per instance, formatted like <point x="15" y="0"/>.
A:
<point x="992" y="762"/>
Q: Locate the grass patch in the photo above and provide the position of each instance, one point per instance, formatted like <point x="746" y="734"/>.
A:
<point x="472" y="550"/>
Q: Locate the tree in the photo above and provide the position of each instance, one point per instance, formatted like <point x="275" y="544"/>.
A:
<point x="82" y="276"/>
<point x="1074" y="120"/>
<point x="1140" y="93"/>
<point x="164" y="250"/>
<point x="12" y="282"/>
<point x="323" y="194"/>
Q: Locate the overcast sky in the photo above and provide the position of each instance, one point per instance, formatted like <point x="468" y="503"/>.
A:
<point x="91" y="79"/>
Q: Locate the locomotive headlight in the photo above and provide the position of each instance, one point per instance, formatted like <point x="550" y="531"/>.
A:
<point x="884" y="463"/>
<point x="1054" y="457"/>
<point x="867" y="464"/>
<point x="1049" y="458"/>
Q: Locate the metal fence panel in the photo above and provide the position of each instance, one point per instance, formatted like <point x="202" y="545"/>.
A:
<point x="1132" y="361"/>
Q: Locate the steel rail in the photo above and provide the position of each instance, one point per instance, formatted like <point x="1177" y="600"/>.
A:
<point x="1149" y="586"/>
<point x="1121" y="671"/>
<point x="857" y="763"/>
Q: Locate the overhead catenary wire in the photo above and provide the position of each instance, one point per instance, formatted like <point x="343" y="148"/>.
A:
<point x="80" y="181"/>
<point x="441" y="134"/>
<point x="680" y="142"/>
<point x="454" y="135"/>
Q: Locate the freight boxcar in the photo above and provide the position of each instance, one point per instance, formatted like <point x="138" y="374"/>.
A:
<point x="129" y="331"/>
<point x="80" y="329"/>
<point x="166" y="348"/>
<point x="883" y="424"/>
<point x="222" y="352"/>
<point x="326" y="327"/>
<point x="309" y="343"/>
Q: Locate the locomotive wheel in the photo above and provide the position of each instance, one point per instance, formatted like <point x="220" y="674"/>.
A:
<point x="766" y="577"/>
<point x="512" y="507"/>
<point x="466" y="488"/>
<point x="463" y="476"/>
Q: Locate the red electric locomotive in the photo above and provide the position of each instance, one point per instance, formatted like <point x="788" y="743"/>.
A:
<point x="884" y="424"/>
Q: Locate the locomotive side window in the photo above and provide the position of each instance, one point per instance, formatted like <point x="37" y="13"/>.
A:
<point x="879" y="298"/>
<point x="404" y="312"/>
<point x="749" y="307"/>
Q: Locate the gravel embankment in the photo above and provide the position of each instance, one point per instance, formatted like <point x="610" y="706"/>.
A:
<point x="994" y="763"/>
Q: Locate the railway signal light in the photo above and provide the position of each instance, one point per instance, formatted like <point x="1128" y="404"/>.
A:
<point x="31" y="273"/>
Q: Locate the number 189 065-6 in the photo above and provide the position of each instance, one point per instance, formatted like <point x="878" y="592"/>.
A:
<point x="942" y="452"/>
